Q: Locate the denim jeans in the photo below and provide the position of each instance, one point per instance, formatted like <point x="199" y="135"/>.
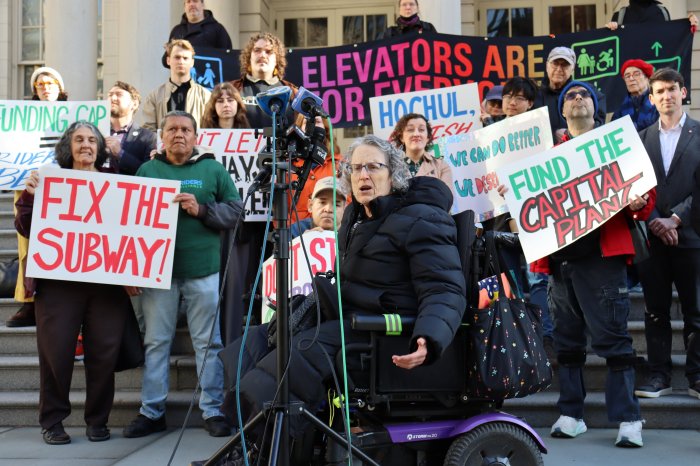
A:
<point x="538" y="295"/>
<point x="160" y="308"/>
<point x="590" y="295"/>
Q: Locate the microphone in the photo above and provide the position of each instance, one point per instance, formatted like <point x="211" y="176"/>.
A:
<point x="308" y="104"/>
<point x="263" y="174"/>
<point x="274" y="100"/>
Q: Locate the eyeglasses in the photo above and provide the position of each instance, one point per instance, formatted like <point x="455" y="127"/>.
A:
<point x="40" y="84"/>
<point x="518" y="98"/>
<point x="572" y="95"/>
<point x="371" y="167"/>
<point x="635" y="75"/>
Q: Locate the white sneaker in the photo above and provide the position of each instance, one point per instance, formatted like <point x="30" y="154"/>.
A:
<point x="568" y="427"/>
<point x="630" y="435"/>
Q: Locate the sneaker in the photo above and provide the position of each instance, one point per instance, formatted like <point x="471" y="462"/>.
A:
<point x="143" y="426"/>
<point x="24" y="317"/>
<point x="217" y="426"/>
<point x="79" y="352"/>
<point x="654" y="387"/>
<point x="694" y="389"/>
<point x="568" y="427"/>
<point x="55" y="435"/>
<point x="97" y="433"/>
<point x="630" y="435"/>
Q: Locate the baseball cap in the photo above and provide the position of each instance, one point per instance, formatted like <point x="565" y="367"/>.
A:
<point x="327" y="183"/>
<point x="495" y="93"/>
<point x="564" y="53"/>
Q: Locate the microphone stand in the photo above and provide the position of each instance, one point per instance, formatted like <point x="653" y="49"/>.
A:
<point x="280" y="448"/>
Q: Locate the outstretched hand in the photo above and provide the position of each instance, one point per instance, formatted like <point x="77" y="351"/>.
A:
<point x="415" y="359"/>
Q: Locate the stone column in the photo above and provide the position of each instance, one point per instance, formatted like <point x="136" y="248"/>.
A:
<point x="227" y="13"/>
<point x="445" y="15"/>
<point x="70" y="41"/>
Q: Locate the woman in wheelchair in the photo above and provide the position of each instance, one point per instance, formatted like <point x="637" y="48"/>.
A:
<point x="398" y="254"/>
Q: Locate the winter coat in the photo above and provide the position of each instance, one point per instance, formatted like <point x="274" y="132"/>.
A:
<point x="405" y="260"/>
<point x="640" y="109"/>
<point x="207" y="33"/>
<point x="155" y="107"/>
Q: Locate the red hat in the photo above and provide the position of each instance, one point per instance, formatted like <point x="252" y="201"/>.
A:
<point x="646" y="68"/>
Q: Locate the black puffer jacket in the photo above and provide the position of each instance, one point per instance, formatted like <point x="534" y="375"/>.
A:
<point x="207" y="33"/>
<point x="405" y="260"/>
<point x="393" y="31"/>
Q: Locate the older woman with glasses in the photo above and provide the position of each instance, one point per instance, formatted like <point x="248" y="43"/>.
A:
<point x="398" y="254"/>
<point x="637" y="105"/>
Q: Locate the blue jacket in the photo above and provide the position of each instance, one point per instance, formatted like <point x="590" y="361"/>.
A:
<point x="640" y="109"/>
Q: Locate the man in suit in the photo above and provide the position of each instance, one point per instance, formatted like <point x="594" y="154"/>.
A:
<point x="130" y="143"/>
<point x="673" y="145"/>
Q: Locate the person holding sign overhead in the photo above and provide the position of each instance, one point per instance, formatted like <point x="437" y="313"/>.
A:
<point x="588" y="295"/>
<point x="47" y="85"/>
<point x="63" y="307"/>
<point x="408" y="21"/>
<point x="414" y="135"/>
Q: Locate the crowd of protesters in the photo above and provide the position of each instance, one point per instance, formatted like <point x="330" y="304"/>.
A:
<point x="578" y="305"/>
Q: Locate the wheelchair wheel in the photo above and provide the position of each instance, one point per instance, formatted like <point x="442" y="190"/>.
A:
<point x="494" y="444"/>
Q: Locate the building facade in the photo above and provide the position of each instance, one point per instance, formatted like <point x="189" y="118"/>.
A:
<point x="95" y="42"/>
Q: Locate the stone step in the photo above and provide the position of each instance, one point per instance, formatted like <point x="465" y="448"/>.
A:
<point x="7" y="200"/>
<point x="8" y="253"/>
<point x="595" y="372"/>
<point x="7" y="220"/>
<point x="8" y="307"/>
<point x="8" y="239"/>
<point x="20" y="408"/>
<point x="21" y="373"/>
<point x="676" y="411"/>
<point x="22" y="341"/>
<point x="636" y="330"/>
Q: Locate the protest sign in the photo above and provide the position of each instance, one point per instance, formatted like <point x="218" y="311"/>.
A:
<point x="318" y="247"/>
<point x="30" y="129"/>
<point x="474" y="158"/>
<point x="451" y="110"/>
<point x="560" y="195"/>
<point x="346" y="77"/>
<point x="237" y="150"/>
<point x="103" y="228"/>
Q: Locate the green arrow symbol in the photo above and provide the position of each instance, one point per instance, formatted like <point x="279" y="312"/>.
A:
<point x="656" y="47"/>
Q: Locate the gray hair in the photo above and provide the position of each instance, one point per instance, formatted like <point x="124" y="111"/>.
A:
<point x="63" y="152"/>
<point x="178" y="113"/>
<point x="394" y="160"/>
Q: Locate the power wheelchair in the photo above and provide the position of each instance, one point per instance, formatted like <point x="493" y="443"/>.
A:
<point x="421" y="417"/>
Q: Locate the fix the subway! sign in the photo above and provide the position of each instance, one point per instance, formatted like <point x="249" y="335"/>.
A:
<point x="451" y="110"/>
<point x="102" y="228"/>
<point x="560" y="195"/>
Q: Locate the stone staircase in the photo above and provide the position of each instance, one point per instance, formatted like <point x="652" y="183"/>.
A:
<point x="19" y="374"/>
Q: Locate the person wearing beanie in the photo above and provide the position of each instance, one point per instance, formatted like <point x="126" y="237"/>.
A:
<point x="637" y="105"/>
<point x="408" y="21"/>
<point x="560" y="68"/>
<point x="588" y="296"/>
<point x="47" y="85"/>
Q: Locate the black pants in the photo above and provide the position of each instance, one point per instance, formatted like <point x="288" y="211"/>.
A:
<point x="667" y="266"/>
<point x="62" y="307"/>
<point x="310" y="370"/>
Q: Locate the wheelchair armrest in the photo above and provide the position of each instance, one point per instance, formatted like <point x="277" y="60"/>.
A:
<point x="391" y="324"/>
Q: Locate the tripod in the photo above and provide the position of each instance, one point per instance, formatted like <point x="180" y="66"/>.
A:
<point x="283" y="408"/>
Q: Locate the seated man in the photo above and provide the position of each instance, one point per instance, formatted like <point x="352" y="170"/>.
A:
<point x="321" y="208"/>
<point x="398" y="253"/>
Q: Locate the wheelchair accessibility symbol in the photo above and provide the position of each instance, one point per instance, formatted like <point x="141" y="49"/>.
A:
<point x="596" y="58"/>
<point x="207" y="71"/>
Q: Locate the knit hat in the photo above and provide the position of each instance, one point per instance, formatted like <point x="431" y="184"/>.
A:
<point x="587" y="86"/>
<point x="645" y="67"/>
<point x="50" y="71"/>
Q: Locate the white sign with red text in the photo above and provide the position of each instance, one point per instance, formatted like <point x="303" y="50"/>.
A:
<point x="316" y="246"/>
<point x="103" y="228"/>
